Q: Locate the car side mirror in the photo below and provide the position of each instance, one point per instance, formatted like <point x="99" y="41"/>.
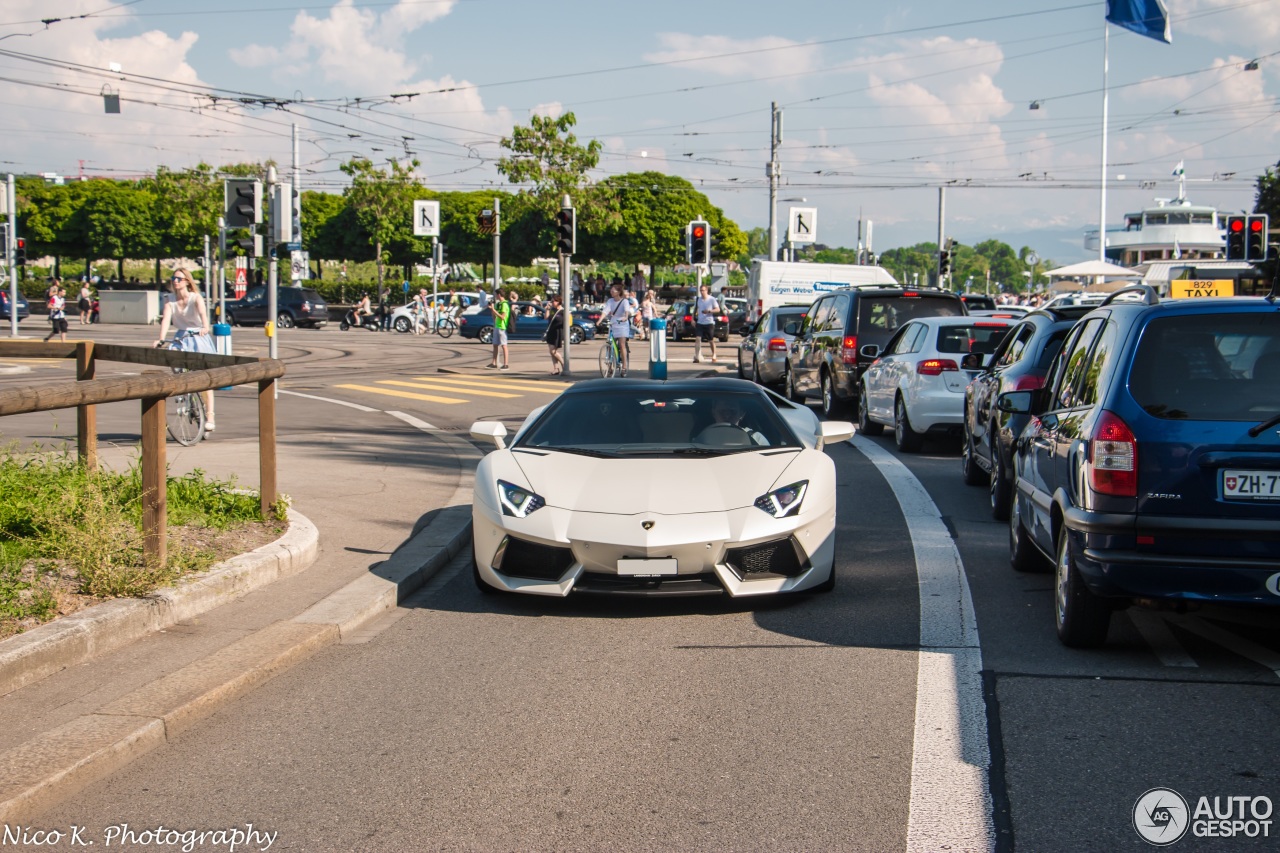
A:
<point x="1016" y="402"/>
<point x="870" y="351"/>
<point x="490" y="431"/>
<point x="972" y="361"/>
<point x="834" y="432"/>
<point x="747" y="329"/>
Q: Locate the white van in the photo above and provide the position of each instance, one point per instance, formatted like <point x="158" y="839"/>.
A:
<point x="773" y="283"/>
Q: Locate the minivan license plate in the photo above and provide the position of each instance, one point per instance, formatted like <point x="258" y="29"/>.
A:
<point x="1251" y="485"/>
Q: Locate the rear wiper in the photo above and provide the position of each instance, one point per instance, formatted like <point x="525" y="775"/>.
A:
<point x="1255" y="431"/>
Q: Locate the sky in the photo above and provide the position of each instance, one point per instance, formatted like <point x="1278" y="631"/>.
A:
<point x="882" y="103"/>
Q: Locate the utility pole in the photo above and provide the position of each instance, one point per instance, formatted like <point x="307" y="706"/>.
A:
<point x="222" y="269"/>
<point x="208" y="273"/>
<point x="566" y="309"/>
<point x="297" y="184"/>
<point x="497" y="245"/>
<point x="773" y="170"/>
<point x="942" y="211"/>
<point x="11" y="205"/>
<point x="272" y="268"/>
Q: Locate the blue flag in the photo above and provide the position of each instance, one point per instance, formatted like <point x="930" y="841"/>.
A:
<point x="1145" y="17"/>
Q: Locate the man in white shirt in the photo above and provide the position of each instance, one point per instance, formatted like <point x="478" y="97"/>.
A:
<point x="704" y="314"/>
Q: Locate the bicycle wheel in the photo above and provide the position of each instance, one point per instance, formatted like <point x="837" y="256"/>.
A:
<point x="607" y="364"/>
<point x="184" y="415"/>
<point x="446" y="327"/>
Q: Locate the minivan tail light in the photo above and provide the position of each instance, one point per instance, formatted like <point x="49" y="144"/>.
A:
<point x="778" y="344"/>
<point x="849" y="349"/>
<point x="935" y="366"/>
<point x="1113" y="458"/>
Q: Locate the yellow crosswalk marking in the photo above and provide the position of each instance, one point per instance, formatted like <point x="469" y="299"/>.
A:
<point x="391" y="392"/>
<point x="443" y="387"/>
<point x="510" y="384"/>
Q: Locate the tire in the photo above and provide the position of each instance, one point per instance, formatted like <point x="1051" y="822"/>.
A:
<point x="675" y="333"/>
<point x="831" y="405"/>
<point x="344" y="325"/>
<point x="907" y="439"/>
<point x="284" y="321"/>
<point x="446" y="327"/>
<point x="231" y="319"/>
<point x="969" y="469"/>
<point x="755" y="370"/>
<point x="742" y="374"/>
<point x="184" y="417"/>
<point x="402" y="325"/>
<point x="724" y="339"/>
<point x="792" y="394"/>
<point x="866" y="426"/>
<point x="1001" y="485"/>
<point x="607" y="366"/>
<point x="575" y="335"/>
<point x="486" y="335"/>
<point x="1082" y="617"/>
<point x="1023" y="556"/>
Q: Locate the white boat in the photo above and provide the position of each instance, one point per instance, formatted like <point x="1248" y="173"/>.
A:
<point x="1171" y="230"/>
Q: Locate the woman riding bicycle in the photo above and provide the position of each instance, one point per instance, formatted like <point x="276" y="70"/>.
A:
<point x="187" y="313"/>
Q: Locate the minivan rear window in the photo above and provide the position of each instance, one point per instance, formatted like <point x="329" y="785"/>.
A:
<point x="892" y="313"/>
<point x="1211" y="367"/>
<point x="980" y="337"/>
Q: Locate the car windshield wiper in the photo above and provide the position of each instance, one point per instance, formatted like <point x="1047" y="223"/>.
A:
<point x="583" y="451"/>
<point x="1255" y="431"/>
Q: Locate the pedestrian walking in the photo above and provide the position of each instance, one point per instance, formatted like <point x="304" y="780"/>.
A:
<point x="57" y="313"/>
<point x="185" y="310"/>
<point x="704" y="310"/>
<point x="554" y="336"/>
<point x="501" y="319"/>
<point x="85" y="304"/>
<point x="648" y="310"/>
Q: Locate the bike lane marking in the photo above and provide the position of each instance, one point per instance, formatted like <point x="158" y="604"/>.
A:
<point x="951" y="759"/>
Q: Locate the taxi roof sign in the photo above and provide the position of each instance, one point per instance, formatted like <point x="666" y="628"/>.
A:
<point x="1199" y="288"/>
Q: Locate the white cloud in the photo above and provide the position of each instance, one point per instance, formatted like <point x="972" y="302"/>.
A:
<point x="769" y="56"/>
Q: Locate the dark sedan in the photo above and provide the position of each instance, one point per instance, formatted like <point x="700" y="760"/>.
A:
<point x="1020" y="363"/>
<point x="23" y="310"/>
<point x="681" y="325"/>
<point x="295" y="306"/>
<point x="524" y="326"/>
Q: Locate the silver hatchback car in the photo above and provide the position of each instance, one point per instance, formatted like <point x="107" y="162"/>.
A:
<point x="762" y="355"/>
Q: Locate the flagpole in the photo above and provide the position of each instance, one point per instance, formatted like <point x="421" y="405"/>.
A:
<point x="1102" y="205"/>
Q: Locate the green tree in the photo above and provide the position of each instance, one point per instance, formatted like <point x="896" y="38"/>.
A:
<point x="382" y="202"/>
<point x="187" y="205"/>
<point x="120" y="222"/>
<point x="319" y="238"/>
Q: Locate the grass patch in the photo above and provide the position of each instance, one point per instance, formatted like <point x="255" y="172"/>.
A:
<point x="68" y="537"/>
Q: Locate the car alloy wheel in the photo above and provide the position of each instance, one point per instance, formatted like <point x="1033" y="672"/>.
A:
<point x="968" y="465"/>
<point x="755" y="371"/>
<point x="1082" y="617"/>
<point x="830" y="405"/>
<point x="486" y="335"/>
<point x="1023" y="556"/>
<point x="285" y="320"/>
<point x="1001" y="487"/>
<point x="403" y="325"/>
<point x="575" y="335"/>
<point x="866" y="426"/>
<point x="907" y="439"/>
<point x="792" y="394"/>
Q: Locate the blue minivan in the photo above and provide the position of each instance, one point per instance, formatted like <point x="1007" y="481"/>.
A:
<point x="1150" y="468"/>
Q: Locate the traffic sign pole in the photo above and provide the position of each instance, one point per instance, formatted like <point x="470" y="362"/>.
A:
<point x="12" y="207"/>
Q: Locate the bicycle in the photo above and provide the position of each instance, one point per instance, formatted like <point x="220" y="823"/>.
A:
<point x="185" y="418"/>
<point x="611" y="357"/>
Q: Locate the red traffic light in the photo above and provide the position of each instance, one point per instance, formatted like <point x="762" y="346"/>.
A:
<point x="1236" y="224"/>
<point x="1255" y="224"/>
<point x="699" y="231"/>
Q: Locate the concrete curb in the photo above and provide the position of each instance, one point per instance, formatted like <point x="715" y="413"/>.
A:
<point x="42" y="651"/>
<point x="55" y="765"/>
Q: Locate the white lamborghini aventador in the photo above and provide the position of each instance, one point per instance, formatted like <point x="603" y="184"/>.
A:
<point x="701" y="486"/>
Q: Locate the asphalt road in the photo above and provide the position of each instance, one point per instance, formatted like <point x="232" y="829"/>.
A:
<point x="471" y="722"/>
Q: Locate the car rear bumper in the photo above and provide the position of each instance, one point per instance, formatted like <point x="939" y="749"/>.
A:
<point x="1113" y="564"/>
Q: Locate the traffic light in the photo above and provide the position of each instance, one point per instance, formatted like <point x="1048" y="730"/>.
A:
<point x="4" y="240"/>
<point x="685" y="244"/>
<point x="252" y="245"/>
<point x="281" y="213"/>
<point x="243" y="203"/>
<point x="1255" y="247"/>
<point x="1236" y="226"/>
<point x="20" y="252"/>
<point x="295" y="216"/>
<point x="565" y="230"/>
<point x="698" y="234"/>
<point x="944" y="263"/>
<point x="713" y="243"/>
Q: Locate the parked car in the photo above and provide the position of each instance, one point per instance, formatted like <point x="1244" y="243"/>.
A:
<point x="550" y="519"/>
<point x="403" y="316"/>
<point x="1151" y="466"/>
<point x="845" y="330"/>
<point x="682" y="325"/>
<point x="762" y="355"/>
<point x="524" y="327"/>
<point x="736" y="309"/>
<point x="918" y="385"/>
<point x="1018" y="364"/>
<point x="978" y="301"/>
<point x="295" y="306"/>
<point x="24" y="310"/>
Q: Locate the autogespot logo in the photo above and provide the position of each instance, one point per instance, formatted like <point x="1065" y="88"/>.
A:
<point x="1160" y="816"/>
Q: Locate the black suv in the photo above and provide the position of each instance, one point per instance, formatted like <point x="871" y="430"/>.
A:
<point x="295" y="306"/>
<point x="844" y="332"/>
<point x="1018" y="364"/>
<point x="1150" y="469"/>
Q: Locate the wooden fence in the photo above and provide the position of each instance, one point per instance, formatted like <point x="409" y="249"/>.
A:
<point x="203" y="373"/>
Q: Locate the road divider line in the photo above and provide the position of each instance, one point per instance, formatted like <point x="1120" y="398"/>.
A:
<point x="951" y="757"/>
<point x="523" y="385"/>
<point x="391" y="392"/>
<point x="330" y="400"/>
<point x="1241" y="646"/>
<point x="439" y="387"/>
<point x="412" y="421"/>
<point x="1156" y="634"/>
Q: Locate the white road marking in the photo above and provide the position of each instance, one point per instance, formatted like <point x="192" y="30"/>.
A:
<point x="1155" y="631"/>
<point x="412" y="421"/>
<point x="951" y="759"/>
<point x="1241" y="646"/>
<point x="330" y="400"/>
